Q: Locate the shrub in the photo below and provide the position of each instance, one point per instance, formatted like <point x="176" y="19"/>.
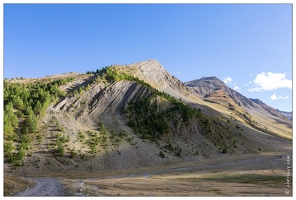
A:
<point x="72" y="153"/>
<point x="61" y="148"/>
<point x="224" y="150"/>
<point x="161" y="154"/>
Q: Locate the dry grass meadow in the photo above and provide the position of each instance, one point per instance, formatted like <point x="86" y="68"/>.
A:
<point x="261" y="176"/>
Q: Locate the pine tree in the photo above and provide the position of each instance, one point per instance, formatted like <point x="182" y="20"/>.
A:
<point x="8" y="129"/>
<point x="18" y="103"/>
<point x="38" y="108"/>
<point x="21" y="153"/>
<point x="31" y="122"/>
<point x="8" y="151"/>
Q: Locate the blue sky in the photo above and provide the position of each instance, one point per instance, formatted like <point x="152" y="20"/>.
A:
<point x="249" y="46"/>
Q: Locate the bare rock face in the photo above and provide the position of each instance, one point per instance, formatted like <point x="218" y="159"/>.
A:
<point x="153" y="73"/>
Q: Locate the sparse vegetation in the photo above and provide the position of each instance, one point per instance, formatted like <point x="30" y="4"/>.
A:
<point x="224" y="150"/>
<point x="161" y="154"/>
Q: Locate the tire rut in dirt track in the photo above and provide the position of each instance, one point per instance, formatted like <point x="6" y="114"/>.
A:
<point x="44" y="187"/>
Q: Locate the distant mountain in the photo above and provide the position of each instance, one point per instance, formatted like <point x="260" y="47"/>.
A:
<point x="271" y="110"/>
<point x="289" y="115"/>
<point x="216" y="91"/>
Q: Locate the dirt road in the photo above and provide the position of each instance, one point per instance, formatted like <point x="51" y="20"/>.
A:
<point x="268" y="169"/>
<point x="44" y="187"/>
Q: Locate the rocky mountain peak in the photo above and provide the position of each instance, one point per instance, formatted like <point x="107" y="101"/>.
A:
<point x="151" y="70"/>
<point x="211" y="81"/>
<point x="153" y="73"/>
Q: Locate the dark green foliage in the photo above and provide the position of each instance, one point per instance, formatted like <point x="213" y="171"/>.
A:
<point x="18" y="103"/>
<point x="72" y="153"/>
<point x="149" y="121"/>
<point x="9" y="133"/>
<point x="68" y="138"/>
<point x="145" y="119"/>
<point x="161" y="154"/>
<point x="25" y="142"/>
<point x="196" y="152"/>
<point x="110" y="74"/>
<point x="8" y="151"/>
<point x="94" y="140"/>
<point x="63" y="139"/>
<point x="30" y="123"/>
<point x="224" y="150"/>
<point x="61" y="148"/>
<point x="175" y="149"/>
<point x="21" y="153"/>
<point x="29" y="101"/>
<point x="93" y="149"/>
<point x="102" y="128"/>
<point x="23" y="104"/>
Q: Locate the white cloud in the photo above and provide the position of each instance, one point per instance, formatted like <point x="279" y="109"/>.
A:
<point x="227" y="80"/>
<point x="236" y="88"/>
<point x="281" y="97"/>
<point x="270" y="81"/>
<point x="274" y="97"/>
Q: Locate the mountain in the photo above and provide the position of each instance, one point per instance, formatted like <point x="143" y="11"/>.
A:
<point x="130" y="116"/>
<point x="153" y="73"/>
<point x="289" y="115"/>
<point x="252" y="111"/>
<point x="214" y="90"/>
<point x="272" y="111"/>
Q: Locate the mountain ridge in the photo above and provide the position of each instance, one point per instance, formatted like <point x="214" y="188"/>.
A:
<point x="97" y="117"/>
<point x="215" y="84"/>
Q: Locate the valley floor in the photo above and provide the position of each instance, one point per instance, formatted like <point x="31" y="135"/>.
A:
<point x="246" y="175"/>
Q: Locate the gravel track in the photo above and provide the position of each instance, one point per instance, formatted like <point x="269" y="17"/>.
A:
<point x="44" y="187"/>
